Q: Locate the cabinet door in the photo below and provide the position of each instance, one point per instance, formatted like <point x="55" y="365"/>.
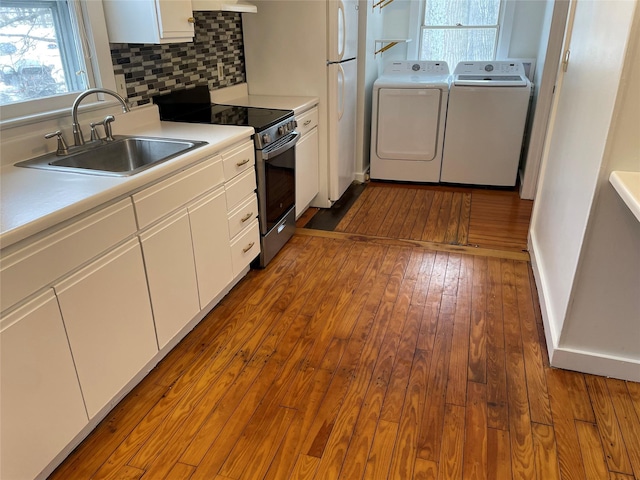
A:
<point x="148" y="21"/>
<point x="306" y="170"/>
<point x="168" y="257"/>
<point x="173" y="17"/>
<point x="107" y="314"/>
<point x="210" y="235"/>
<point x="42" y="407"/>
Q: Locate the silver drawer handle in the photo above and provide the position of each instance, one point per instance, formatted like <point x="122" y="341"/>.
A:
<point x="306" y="123"/>
<point x="243" y="162"/>
<point x="248" y="247"/>
<point x="246" y="217"/>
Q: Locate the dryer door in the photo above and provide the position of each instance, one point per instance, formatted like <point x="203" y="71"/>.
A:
<point x="408" y="120"/>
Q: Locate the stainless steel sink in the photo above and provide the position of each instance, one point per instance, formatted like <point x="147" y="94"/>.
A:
<point x="122" y="157"/>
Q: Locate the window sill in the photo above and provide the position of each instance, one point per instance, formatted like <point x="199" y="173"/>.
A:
<point x="56" y="114"/>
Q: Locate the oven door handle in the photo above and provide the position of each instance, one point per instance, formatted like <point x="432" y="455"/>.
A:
<point x="283" y="148"/>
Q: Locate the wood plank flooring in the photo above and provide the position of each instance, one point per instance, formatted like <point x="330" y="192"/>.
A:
<point x="450" y="215"/>
<point x="355" y="359"/>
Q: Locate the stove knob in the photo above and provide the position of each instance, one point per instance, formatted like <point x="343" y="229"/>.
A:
<point x="295" y="123"/>
<point x="281" y="130"/>
<point x="291" y="125"/>
<point x="266" y="138"/>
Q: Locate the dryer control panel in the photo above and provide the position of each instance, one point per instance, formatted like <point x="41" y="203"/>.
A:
<point x="417" y="67"/>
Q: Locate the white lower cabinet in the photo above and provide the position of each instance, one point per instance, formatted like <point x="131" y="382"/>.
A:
<point x="42" y="407"/>
<point x="108" y="318"/>
<point x="168" y="257"/>
<point x="68" y="351"/>
<point x="307" y="160"/>
<point x="210" y="236"/>
<point x="245" y="247"/>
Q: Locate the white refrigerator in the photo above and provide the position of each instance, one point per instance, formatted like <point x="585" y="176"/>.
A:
<point x="308" y="48"/>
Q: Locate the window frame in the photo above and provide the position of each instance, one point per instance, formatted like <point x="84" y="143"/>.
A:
<point x="92" y="30"/>
<point x="505" y="25"/>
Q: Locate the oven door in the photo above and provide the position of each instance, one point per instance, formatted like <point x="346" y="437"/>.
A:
<point x="276" y="169"/>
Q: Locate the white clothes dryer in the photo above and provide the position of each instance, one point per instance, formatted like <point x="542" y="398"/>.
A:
<point x="409" y="110"/>
<point x="488" y="103"/>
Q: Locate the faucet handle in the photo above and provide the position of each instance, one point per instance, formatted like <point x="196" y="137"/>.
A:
<point x="95" y="135"/>
<point x="63" y="149"/>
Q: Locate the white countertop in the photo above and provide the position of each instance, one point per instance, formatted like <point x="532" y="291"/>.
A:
<point x="238" y="95"/>
<point x="297" y="104"/>
<point x="32" y="200"/>
<point x="627" y="184"/>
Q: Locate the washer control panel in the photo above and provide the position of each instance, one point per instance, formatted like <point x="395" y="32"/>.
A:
<point x="494" y="68"/>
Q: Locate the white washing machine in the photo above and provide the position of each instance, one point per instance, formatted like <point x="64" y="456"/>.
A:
<point x="409" y="109"/>
<point x="488" y="104"/>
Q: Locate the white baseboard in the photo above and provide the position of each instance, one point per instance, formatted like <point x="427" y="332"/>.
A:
<point x="595" y="363"/>
<point x="362" y="176"/>
<point x="568" y="358"/>
<point x="550" y="333"/>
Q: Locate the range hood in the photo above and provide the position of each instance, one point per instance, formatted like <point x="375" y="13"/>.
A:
<point x="223" y="5"/>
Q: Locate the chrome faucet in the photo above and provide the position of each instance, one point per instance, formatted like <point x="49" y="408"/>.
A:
<point x="78" y="138"/>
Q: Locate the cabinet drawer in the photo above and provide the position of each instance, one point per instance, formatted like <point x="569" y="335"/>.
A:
<point x="242" y="216"/>
<point x="239" y="188"/>
<point x="40" y="263"/>
<point x="237" y="160"/>
<point x="245" y="248"/>
<point x="170" y="194"/>
<point x="307" y="121"/>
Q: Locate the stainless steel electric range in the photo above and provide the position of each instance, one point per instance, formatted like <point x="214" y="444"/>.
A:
<point x="274" y="142"/>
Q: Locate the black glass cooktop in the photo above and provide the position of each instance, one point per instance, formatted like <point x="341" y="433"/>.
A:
<point x="192" y="106"/>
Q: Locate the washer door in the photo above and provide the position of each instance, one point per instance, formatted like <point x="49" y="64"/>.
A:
<point x="408" y="121"/>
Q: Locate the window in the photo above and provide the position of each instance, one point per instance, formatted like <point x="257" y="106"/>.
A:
<point x="459" y="30"/>
<point x="38" y="51"/>
<point x="49" y="51"/>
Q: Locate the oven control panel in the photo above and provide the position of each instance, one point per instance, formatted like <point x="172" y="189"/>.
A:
<point x="275" y="132"/>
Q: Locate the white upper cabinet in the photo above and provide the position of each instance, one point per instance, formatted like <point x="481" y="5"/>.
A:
<point x="225" y="5"/>
<point x="149" y="21"/>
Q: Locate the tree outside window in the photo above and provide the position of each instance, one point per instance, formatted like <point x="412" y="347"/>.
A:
<point x="38" y="52"/>
<point x="460" y="30"/>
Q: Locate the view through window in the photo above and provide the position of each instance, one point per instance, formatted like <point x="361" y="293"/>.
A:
<point x="38" y="51"/>
<point x="459" y="30"/>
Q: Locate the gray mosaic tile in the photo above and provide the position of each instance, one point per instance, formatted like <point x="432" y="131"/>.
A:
<point x="153" y="69"/>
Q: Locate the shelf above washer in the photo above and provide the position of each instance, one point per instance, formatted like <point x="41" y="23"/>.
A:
<point x="387" y="43"/>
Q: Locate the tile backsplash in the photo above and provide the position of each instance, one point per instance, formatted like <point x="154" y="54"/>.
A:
<point x="153" y="69"/>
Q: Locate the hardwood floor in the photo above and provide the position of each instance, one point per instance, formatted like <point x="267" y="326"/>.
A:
<point x="496" y="219"/>
<point x="358" y="359"/>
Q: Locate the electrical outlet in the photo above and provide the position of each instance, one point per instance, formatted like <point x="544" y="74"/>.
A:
<point x="220" y="71"/>
<point x="121" y="85"/>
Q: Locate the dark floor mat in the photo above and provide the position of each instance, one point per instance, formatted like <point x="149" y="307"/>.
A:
<point x="328" y="218"/>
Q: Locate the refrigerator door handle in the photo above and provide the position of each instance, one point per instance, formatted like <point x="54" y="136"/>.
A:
<point x="341" y="93"/>
<point x="342" y="27"/>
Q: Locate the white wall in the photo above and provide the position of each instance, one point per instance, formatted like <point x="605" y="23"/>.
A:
<point x="549" y="52"/>
<point x="369" y="28"/>
<point x="528" y="20"/>
<point x="604" y="316"/>
<point x="567" y="256"/>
